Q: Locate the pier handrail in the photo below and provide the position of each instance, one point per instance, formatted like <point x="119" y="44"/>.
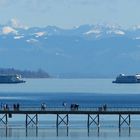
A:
<point x="84" y="109"/>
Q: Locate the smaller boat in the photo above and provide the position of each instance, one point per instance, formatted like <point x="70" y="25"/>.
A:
<point x="122" y="78"/>
<point x="11" y="78"/>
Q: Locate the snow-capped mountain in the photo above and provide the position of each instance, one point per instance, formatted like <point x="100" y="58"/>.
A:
<point x="88" y="50"/>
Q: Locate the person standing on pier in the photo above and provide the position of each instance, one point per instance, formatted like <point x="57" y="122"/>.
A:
<point x="64" y="105"/>
<point x="105" y="107"/>
<point x="1" y="106"/>
<point x="18" y="106"/>
<point x="14" y="107"/>
<point x="43" y="106"/>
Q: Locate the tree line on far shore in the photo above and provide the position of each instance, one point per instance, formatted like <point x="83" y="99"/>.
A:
<point x="25" y="73"/>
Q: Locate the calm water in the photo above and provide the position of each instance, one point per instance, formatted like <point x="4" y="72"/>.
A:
<point x="86" y="92"/>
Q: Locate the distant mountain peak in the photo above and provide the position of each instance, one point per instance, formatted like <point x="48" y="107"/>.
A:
<point x="93" y="31"/>
<point x="117" y="32"/>
<point x="15" y="23"/>
<point x="7" y="29"/>
<point x="39" y="34"/>
<point x="95" y="50"/>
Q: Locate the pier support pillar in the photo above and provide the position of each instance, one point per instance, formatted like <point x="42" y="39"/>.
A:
<point x="62" y="119"/>
<point x="4" y="119"/>
<point x="124" y="119"/>
<point x="31" y="119"/>
<point x="93" y="119"/>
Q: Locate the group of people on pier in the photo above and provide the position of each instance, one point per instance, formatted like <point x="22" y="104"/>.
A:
<point x="64" y="104"/>
<point x="16" y="106"/>
<point x="73" y="107"/>
<point x="6" y="107"/>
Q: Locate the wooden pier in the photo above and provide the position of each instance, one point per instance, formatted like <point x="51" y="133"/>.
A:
<point x="62" y="115"/>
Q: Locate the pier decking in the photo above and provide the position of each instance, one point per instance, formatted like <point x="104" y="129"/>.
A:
<point x="62" y="115"/>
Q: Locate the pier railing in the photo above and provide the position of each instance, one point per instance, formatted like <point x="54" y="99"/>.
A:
<point x="80" y="109"/>
<point x="63" y="113"/>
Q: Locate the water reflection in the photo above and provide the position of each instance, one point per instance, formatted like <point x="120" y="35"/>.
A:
<point x="31" y="132"/>
<point x="125" y="131"/>
<point x="35" y="132"/>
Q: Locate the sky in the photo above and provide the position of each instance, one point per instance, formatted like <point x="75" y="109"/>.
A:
<point x="70" y="13"/>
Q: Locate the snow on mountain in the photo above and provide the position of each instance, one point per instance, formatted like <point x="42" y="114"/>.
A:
<point x="87" y="49"/>
<point x="117" y="32"/>
<point x="39" y="34"/>
<point x="103" y="31"/>
<point x="6" y="30"/>
<point x="137" y="38"/>
<point x="18" y="37"/>
<point x="32" y="40"/>
<point x="94" y="31"/>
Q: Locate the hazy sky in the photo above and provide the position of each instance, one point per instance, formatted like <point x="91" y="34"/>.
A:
<point x="69" y="13"/>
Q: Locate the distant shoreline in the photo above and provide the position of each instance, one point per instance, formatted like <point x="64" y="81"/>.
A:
<point x="26" y="73"/>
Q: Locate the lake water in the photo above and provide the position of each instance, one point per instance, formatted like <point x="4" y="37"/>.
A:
<point x="85" y="92"/>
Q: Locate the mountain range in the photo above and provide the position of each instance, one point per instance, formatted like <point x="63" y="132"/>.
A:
<point x="100" y="50"/>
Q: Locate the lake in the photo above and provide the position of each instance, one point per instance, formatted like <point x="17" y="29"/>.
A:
<point x="86" y="92"/>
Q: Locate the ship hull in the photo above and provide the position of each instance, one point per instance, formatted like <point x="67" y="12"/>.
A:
<point x="121" y="82"/>
<point x="11" y="79"/>
<point x="128" y="79"/>
<point x="11" y="82"/>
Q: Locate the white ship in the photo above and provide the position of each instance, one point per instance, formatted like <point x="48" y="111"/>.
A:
<point x="122" y="78"/>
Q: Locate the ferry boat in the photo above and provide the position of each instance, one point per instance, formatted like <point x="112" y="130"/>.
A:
<point x="122" y="78"/>
<point x="11" y="78"/>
